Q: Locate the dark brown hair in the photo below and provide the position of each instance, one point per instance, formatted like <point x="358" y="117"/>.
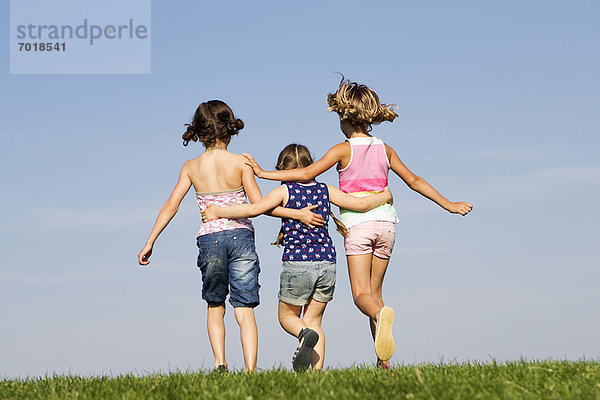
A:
<point x="294" y="156"/>
<point x="212" y="120"/>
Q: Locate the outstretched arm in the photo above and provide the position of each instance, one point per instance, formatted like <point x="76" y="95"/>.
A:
<point x="333" y="156"/>
<point x="421" y="186"/>
<point x="344" y="200"/>
<point x="304" y="215"/>
<point x="267" y="203"/>
<point x="166" y="213"/>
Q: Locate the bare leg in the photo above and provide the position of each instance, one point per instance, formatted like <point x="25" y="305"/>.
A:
<point x="289" y="318"/>
<point x="216" y="332"/>
<point x="248" y="335"/>
<point x="378" y="269"/>
<point x="313" y="315"/>
<point x="359" y="270"/>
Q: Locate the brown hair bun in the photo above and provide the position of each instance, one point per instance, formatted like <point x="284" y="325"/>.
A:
<point x="212" y="121"/>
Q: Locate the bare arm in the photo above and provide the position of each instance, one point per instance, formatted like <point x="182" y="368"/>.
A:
<point x="167" y="213"/>
<point x="344" y="200"/>
<point x="421" y="186"/>
<point x="304" y="215"/>
<point x="267" y="203"/>
<point x="333" y="156"/>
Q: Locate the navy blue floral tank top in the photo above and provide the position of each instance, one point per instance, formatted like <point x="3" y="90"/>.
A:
<point x="302" y="243"/>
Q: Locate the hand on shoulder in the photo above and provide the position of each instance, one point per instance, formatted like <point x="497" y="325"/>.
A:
<point x="251" y="162"/>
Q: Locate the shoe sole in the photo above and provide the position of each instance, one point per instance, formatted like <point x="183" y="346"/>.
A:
<point x="304" y="355"/>
<point x="384" y="341"/>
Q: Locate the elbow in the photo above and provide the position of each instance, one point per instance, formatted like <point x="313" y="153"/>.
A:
<point x="171" y="208"/>
<point x="254" y="211"/>
<point x="365" y="206"/>
<point x="415" y="182"/>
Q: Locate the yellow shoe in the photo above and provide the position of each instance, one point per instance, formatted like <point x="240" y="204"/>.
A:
<point x="384" y="341"/>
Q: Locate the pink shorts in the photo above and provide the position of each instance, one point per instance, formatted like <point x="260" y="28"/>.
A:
<point x="376" y="237"/>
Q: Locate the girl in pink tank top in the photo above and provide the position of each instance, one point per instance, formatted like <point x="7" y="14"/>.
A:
<point x="363" y="162"/>
<point x="366" y="173"/>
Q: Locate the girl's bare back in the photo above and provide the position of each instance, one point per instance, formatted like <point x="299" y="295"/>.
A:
<point x="216" y="171"/>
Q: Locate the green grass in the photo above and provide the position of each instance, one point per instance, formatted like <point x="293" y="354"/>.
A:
<point x="511" y="380"/>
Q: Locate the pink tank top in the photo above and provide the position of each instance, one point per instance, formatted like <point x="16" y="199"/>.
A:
<point x="367" y="171"/>
<point x="223" y="199"/>
<point x="368" y="167"/>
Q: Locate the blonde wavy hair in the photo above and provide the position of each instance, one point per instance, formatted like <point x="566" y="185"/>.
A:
<point x="359" y="105"/>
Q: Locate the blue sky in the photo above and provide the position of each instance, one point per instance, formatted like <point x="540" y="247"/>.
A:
<point x="498" y="105"/>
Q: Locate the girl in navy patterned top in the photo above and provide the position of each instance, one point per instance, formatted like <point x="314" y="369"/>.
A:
<point x="308" y="277"/>
<point x="302" y="243"/>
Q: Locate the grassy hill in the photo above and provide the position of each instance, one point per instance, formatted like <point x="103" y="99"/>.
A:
<point x="512" y="380"/>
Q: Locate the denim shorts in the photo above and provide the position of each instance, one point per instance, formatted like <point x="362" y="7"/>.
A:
<point x="302" y="280"/>
<point x="229" y="264"/>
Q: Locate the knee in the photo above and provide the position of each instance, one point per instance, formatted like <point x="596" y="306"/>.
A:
<point x="359" y="296"/>
<point x="244" y="314"/>
<point x="363" y="290"/>
<point x="281" y="319"/>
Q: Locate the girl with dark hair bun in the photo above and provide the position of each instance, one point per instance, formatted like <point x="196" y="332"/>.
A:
<point x="307" y="279"/>
<point x="212" y="121"/>
<point x="363" y="163"/>
<point x="227" y="256"/>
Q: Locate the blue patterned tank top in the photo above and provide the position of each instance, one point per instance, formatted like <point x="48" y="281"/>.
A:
<point x="300" y="242"/>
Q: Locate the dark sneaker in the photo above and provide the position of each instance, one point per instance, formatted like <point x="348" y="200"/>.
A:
<point x="221" y="369"/>
<point x="308" y="339"/>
